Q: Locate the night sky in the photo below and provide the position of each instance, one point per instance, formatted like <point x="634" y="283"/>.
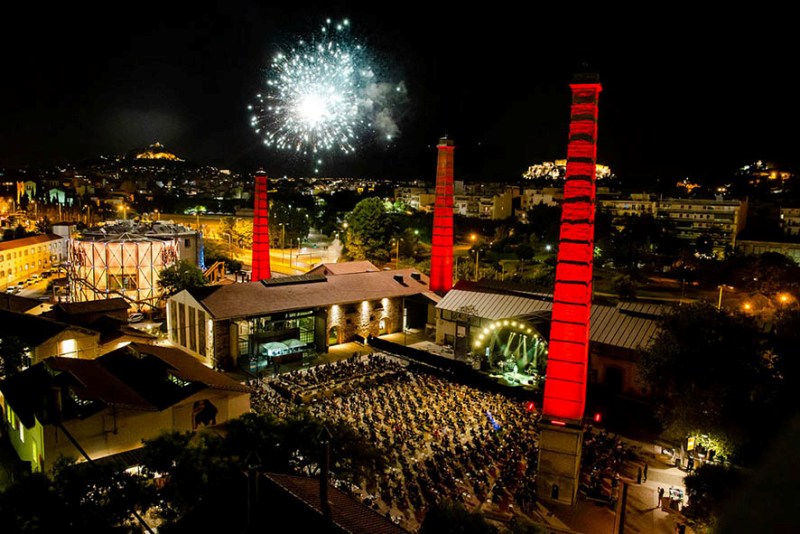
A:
<point x="685" y="94"/>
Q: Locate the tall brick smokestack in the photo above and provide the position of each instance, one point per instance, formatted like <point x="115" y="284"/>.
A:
<point x="442" y="242"/>
<point x="561" y="427"/>
<point x="261" y="268"/>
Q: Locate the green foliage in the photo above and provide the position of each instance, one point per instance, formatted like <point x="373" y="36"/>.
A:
<point x="179" y="276"/>
<point x="214" y="252"/>
<point x="204" y="467"/>
<point x="369" y="231"/>
<point x="287" y="225"/>
<point x="709" y="489"/>
<point x="449" y="517"/>
<point x="767" y="273"/>
<point x="85" y="497"/>
<point x="44" y="226"/>
<point x="625" y="287"/>
<point x="238" y="232"/>
<point x="100" y="496"/>
<point x="20" y="232"/>
<point x="544" y="224"/>
<point x="707" y="371"/>
<point x="195" y="468"/>
<point x="13" y="355"/>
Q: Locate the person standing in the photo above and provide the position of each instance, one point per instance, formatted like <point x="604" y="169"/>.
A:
<point x="639" y="476"/>
<point x="645" y="472"/>
<point x="660" y="496"/>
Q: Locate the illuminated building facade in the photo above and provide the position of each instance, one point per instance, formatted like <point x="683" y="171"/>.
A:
<point x="21" y="258"/>
<point x="568" y="358"/>
<point x="252" y="324"/>
<point x="261" y="267"/>
<point x="442" y="241"/>
<point x="110" y="404"/>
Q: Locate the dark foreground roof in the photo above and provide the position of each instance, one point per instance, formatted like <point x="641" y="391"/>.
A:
<point x="137" y="376"/>
<point x="347" y="513"/>
<point x="15" y="303"/>
<point x="31" y="329"/>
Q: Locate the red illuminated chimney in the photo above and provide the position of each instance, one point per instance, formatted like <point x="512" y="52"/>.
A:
<point x="561" y="426"/>
<point x="568" y="354"/>
<point x="261" y="269"/>
<point x="442" y="242"/>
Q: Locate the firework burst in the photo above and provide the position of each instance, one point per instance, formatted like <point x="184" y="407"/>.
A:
<point x="322" y="95"/>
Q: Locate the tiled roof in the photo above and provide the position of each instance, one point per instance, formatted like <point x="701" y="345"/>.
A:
<point x="31" y="329"/>
<point x="28" y="241"/>
<point x="16" y="303"/>
<point x="137" y="376"/>
<point x="256" y="298"/>
<point x="188" y="368"/>
<point x="93" y="306"/>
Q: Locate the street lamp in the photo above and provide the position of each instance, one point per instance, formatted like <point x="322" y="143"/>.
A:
<point x="719" y="301"/>
<point x="477" y="255"/>
<point x="124" y="209"/>
<point x="283" y="242"/>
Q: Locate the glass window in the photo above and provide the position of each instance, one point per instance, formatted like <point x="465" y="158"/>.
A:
<point x="192" y="329"/>
<point x="173" y="313"/>
<point x="201" y="319"/>
<point x="182" y="324"/>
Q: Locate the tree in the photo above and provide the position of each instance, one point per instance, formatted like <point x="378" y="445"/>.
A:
<point x="44" y="226"/>
<point x="214" y="252"/>
<point x="709" y="489"/>
<point x="85" y="497"/>
<point x="625" y="286"/>
<point x="768" y="273"/>
<point x="409" y="243"/>
<point x="368" y="231"/>
<point x="100" y="496"/>
<point x="447" y="517"/>
<point x="238" y="231"/>
<point x="287" y="224"/>
<point x="20" y="232"/>
<point x="13" y="356"/>
<point x="709" y="375"/>
<point x="179" y="276"/>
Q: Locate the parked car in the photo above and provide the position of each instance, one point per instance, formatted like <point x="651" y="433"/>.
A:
<point x="136" y="317"/>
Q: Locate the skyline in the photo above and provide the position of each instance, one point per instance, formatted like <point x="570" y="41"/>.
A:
<point x="681" y="98"/>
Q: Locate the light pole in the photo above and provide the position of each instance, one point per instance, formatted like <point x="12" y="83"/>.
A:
<point x="397" y="254"/>
<point x="719" y="301"/>
<point x="477" y="255"/>
<point x="283" y="241"/>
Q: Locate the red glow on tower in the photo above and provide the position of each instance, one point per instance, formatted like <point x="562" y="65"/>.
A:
<point x="261" y="268"/>
<point x="442" y="242"/>
<point x="568" y="357"/>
